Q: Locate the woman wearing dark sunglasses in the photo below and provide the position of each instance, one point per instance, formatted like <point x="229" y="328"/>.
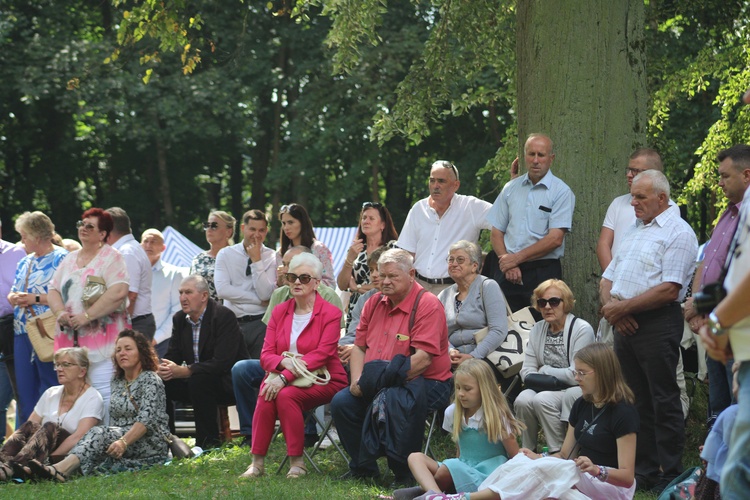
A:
<point x="553" y="344"/>
<point x="296" y="230"/>
<point x="375" y="229"/>
<point x="308" y="326"/>
<point x="219" y="234"/>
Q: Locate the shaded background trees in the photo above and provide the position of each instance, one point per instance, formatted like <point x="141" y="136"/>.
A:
<point x="330" y="104"/>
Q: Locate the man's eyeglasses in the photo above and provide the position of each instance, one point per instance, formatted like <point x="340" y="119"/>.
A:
<point x="371" y="204"/>
<point x="581" y="373"/>
<point x="210" y="225"/>
<point x="447" y="164"/>
<point x="303" y="278"/>
<point x="82" y="225"/>
<point x="458" y="260"/>
<point x="64" y="365"/>
<point x="635" y="171"/>
<point x="552" y="301"/>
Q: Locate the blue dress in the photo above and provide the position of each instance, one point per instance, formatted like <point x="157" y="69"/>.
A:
<point x="478" y="458"/>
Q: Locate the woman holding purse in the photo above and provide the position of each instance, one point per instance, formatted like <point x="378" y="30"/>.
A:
<point x="308" y="326"/>
<point x="553" y="344"/>
<point x="28" y="296"/>
<point x="94" y="326"/>
<point x="472" y="304"/>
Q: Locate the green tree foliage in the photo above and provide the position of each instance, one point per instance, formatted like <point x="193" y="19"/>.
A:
<point x="698" y="69"/>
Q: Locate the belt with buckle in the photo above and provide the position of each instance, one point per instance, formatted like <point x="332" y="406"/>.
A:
<point x="435" y="281"/>
<point x="247" y="319"/>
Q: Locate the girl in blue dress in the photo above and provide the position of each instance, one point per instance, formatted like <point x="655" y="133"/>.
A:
<point x="483" y="428"/>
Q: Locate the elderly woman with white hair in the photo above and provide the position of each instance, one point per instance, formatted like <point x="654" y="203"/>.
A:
<point x="472" y="304"/>
<point x="308" y="327"/>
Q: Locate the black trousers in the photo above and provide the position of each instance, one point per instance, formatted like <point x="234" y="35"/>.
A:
<point x="649" y="363"/>
<point x="204" y="392"/>
<point x="532" y="274"/>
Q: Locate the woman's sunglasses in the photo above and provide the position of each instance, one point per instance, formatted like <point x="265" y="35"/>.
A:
<point x="88" y="227"/>
<point x="210" y="225"/>
<point x="552" y="301"/>
<point x="371" y="204"/>
<point x="303" y="278"/>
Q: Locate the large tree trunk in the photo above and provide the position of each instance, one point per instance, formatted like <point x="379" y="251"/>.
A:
<point x="581" y="79"/>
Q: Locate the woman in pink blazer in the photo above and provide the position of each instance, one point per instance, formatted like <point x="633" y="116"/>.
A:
<point x="309" y="326"/>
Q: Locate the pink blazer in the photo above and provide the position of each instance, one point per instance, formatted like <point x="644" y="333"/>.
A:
<point x="317" y="343"/>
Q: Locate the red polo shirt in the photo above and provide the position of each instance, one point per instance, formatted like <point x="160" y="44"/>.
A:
<point x="384" y="331"/>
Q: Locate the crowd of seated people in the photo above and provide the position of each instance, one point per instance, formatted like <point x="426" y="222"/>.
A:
<point x="265" y="331"/>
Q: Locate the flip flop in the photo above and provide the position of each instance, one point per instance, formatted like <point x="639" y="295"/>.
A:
<point x="296" y="472"/>
<point x="253" y="472"/>
<point x="48" y="472"/>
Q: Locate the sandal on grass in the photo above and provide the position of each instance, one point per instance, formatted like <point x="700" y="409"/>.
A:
<point x="46" y="472"/>
<point x="296" y="471"/>
<point x="6" y="472"/>
<point x="253" y="471"/>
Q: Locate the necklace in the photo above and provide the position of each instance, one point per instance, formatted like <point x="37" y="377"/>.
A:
<point x="128" y="383"/>
<point x="62" y="400"/>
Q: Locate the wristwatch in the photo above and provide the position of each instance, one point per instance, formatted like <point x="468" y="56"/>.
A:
<point x="714" y="326"/>
<point x="38" y="298"/>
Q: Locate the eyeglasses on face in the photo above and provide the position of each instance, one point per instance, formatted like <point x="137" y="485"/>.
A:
<point x="303" y="278"/>
<point x="552" y="301"/>
<point x="458" y="260"/>
<point x="371" y="204"/>
<point x="581" y="373"/>
<point x="83" y="225"/>
<point x="64" y="365"/>
<point x="210" y="225"/>
<point x="634" y="171"/>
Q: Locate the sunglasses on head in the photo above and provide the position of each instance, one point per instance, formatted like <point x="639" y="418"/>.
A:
<point x="210" y="225"/>
<point x="552" y="301"/>
<point x="371" y="204"/>
<point x="285" y="209"/>
<point x="303" y="278"/>
<point x="88" y="227"/>
<point x="447" y="164"/>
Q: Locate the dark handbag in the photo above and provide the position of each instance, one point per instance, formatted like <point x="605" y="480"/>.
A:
<point x="540" y="382"/>
<point x="177" y="446"/>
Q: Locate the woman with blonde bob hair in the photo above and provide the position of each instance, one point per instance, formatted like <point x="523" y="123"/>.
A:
<point x="553" y="344"/>
<point x="219" y="230"/>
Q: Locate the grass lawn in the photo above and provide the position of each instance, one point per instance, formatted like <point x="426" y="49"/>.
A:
<point x="214" y="475"/>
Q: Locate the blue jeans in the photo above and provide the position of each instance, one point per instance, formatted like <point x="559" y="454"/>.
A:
<point x="719" y="386"/>
<point x="33" y="377"/>
<point x="348" y="413"/>
<point x="246" y="378"/>
<point x="6" y="396"/>
<point x="735" y="477"/>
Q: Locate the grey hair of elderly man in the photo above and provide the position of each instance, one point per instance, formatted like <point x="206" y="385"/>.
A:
<point x="401" y="258"/>
<point x="198" y="281"/>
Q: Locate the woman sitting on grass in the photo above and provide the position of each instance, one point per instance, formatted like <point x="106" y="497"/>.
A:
<point x="137" y="411"/>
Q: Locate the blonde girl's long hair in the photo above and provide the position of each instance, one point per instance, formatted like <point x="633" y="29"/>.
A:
<point x="498" y="419"/>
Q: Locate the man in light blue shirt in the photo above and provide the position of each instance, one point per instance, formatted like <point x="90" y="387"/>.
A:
<point x="529" y="239"/>
<point x="165" y="288"/>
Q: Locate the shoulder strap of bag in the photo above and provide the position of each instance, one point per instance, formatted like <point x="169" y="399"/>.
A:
<point x="132" y="399"/>
<point x="481" y="296"/>
<point x="30" y="309"/>
<point x="414" y="309"/>
<point x="583" y="431"/>
<point x="570" y="333"/>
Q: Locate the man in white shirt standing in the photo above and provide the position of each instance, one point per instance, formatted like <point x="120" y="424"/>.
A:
<point x="640" y="292"/>
<point x="436" y="222"/>
<point x="139" y="269"/>
<point x="165" y="288"/>
<point x="245" y="278"/>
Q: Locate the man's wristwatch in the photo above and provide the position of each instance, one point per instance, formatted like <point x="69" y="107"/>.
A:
<point x="714" y="326"/>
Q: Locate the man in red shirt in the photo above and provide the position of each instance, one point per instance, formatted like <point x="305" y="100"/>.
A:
<point x="386" y="330"/>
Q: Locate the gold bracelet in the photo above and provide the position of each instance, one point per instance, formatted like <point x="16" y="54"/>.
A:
<point x="349" y="263"/>
<point x="124" y="442"/>
<point x="88" y="318"/>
